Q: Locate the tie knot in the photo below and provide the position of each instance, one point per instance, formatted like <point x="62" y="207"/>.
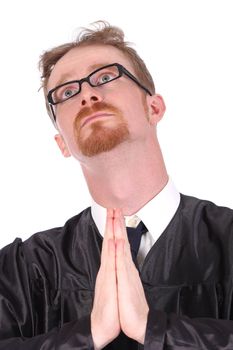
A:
<point x="132" y="221"/>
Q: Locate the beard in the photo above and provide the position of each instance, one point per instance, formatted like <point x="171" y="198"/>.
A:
<point x="100" y="138"/>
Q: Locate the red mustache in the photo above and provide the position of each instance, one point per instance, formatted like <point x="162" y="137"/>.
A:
<point x="98" y="106"/>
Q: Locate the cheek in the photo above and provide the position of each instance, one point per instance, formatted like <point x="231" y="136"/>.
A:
<point x="66" y="130"/>
<point x="65" y="117"/>
<point x="66" y="111"/>
<point x="138" y="108"/>
<point x="135" y="98"/>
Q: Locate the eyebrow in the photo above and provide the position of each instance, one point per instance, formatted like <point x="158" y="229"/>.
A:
<point x="64" y="77"/>
<point x="99" y="65"/>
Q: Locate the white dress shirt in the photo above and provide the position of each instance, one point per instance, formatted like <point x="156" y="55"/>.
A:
<point x="156" y="215"/>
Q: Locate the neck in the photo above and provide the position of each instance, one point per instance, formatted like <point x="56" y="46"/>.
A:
<point x="127" y="177"/>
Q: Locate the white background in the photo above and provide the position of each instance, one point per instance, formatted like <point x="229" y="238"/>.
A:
<point x="188" y="47"/>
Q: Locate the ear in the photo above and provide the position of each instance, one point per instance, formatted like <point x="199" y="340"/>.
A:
<point x="157" y="108"/>
<point x="62" y="145"/>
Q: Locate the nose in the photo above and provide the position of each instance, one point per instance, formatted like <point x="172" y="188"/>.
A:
<point x="89" y="95"/>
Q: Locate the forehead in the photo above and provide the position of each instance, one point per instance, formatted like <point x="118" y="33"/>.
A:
<point x="81" y="61"/>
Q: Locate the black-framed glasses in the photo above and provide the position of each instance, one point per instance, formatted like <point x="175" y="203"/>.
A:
<point x="100" y="76"/>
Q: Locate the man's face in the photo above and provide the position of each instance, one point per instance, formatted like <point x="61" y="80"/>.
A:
<point x="118" y="110"/>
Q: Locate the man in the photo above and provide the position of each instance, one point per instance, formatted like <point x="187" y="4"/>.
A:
<point x="165" y="282"/>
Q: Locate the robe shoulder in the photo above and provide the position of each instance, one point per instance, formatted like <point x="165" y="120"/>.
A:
<point x="47" y="254"/>
<point x="195" y="247"/>
<point x="194" y="202"/>
<point x="50" y="276"/>
<point x="204" y="215"/>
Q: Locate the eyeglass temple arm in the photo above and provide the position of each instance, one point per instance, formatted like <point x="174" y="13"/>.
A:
<point x="53" y="113"/>
<point x="136" y="81"/>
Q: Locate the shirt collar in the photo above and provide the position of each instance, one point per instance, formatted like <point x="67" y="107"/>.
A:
<point x="156" y="214"/>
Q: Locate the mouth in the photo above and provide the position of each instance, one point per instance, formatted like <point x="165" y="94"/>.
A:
<point x="94" y="116"/>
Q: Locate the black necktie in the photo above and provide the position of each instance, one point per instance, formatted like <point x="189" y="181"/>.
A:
<point x="134" y="237"/>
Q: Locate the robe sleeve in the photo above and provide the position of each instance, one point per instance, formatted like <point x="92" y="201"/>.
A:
<point x="73" y="335"/>
<point x="173" y="332"/>
<point x="17" y="321"/>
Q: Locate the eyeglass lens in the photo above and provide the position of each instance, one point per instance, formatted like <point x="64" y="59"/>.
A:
<point x="100" y="77"/>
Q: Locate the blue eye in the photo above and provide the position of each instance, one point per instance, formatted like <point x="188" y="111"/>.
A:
<point x="68" y="93"/>
<point x="65" y="92"/>
<point x="102" y="77"/>
<point x="105" y="78"/>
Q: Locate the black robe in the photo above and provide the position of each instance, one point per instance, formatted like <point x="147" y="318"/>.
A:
<point x="47" y="284"/>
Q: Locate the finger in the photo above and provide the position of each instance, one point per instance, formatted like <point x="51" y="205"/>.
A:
<point x="120" y="252"/>
<point x="108" y="234"/>
<point x="120" y="233"/>
<point x="123" y="267"/>
<point x="111" y="265"/>
<point x="109" y="224"/>
<point x="119" y="225"/>
<point x="107" y="271"/>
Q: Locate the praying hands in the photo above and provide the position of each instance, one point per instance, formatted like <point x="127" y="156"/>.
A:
<point x="119" y="302"/>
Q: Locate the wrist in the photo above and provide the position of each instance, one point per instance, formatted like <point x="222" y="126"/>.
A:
<point x="99" y="337"/>
<point x="95" y="336"/>
<point x="142" y="333"/>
